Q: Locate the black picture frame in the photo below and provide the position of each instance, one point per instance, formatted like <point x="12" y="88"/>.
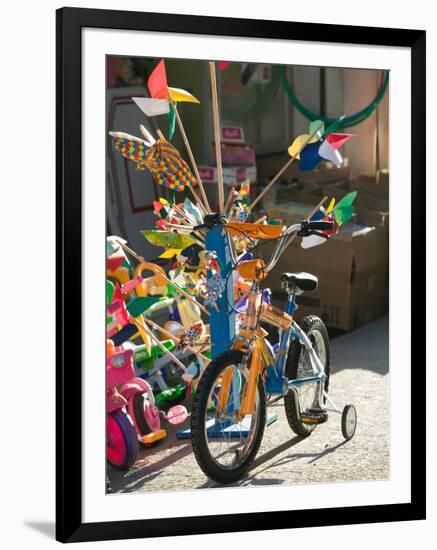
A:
<point x="69" y="24"/>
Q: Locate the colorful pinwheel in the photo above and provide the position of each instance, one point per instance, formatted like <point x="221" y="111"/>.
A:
<point x="312" y="148"/>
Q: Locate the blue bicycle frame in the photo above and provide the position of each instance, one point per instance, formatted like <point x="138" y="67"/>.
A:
<point x="276" y="382"/>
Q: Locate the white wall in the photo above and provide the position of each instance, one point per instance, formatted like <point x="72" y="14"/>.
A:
<point x="27" y="217"/>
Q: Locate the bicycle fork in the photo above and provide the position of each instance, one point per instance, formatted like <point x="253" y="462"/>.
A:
<point x="248" y="340"/>
<point x="318" y="368"/>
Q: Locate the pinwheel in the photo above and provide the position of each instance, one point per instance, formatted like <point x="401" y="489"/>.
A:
<point x="338" y="215"/>
<point x="163" y="100"/>
<point x="316" y="146"/>
<point x="161" y="94"/>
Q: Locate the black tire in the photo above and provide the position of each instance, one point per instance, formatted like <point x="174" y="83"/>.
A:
<point x="349" y="422"/>
<point x="130" y="440"/>
<point x="198" y="419"/>
<point x="309" y="325"/>
<point x="172" y="375"/>
<point x="140" y="420"/>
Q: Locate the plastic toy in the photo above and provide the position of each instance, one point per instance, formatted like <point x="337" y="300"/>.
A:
<point x="121" y="436"/>
<point x="162" y="360"/>
<point x="132" y="415"/>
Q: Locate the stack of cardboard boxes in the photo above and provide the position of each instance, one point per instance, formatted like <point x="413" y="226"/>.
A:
<point x="352" y="266"/>
<point x="238" y="159"/>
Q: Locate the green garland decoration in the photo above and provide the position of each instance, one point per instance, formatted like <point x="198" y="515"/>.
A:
<point x="351" y="120"/>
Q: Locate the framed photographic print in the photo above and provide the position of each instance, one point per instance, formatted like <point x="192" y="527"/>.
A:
<point x="240" y="258"/>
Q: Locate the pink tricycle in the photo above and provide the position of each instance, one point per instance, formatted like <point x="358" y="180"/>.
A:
<point x="121" y="436"/>
<point x="132" y="415"/>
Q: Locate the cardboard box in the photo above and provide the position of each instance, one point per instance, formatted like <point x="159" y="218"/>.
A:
<point x="369" y="210"/>
<point x="351" y="266"/>
<point x="232" y="134"/>
<point x="351" y="272"/>
<point x="236" y="155"/>
<point x="232" y="175"/>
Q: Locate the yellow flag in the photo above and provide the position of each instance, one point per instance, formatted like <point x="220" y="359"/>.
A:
<point x="177" y="94"/>
<point x="170" y="253"/>
<point x="331" y="206"/>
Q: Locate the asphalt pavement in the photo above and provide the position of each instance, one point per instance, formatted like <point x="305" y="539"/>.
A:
<point x="360" y="375"/>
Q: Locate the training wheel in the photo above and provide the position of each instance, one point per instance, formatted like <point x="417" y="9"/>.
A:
<point x="349" y="422"/>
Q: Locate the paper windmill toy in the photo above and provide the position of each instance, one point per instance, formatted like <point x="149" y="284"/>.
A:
<point x="162" y="96"/>
<point x="339" y="215"/>
<point x="318" y="145"/>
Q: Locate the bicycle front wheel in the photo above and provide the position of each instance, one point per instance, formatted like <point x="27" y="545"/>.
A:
<point x="225" y="440"/>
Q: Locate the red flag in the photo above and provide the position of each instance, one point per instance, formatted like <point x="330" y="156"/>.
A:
<point x="223" y="64"/>
<point x="160" y="224"/>
<point x="337" y="140"/>
<point x="115" y="260"/>
<point x="157" y="82"/>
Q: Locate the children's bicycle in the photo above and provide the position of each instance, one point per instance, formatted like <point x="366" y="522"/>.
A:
<point x="229" y="409"/>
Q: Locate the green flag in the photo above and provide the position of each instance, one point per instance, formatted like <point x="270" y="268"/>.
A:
<point x="344" y="210"/>
<point x="171" y="122"/>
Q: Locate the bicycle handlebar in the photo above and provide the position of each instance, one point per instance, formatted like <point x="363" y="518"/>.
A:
<point x="303" y="229"/>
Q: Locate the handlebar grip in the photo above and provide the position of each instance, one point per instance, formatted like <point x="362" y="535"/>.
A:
<point x="319" y="226"/>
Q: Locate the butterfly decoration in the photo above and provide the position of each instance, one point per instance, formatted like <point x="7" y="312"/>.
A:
<point x="162" y="159"/>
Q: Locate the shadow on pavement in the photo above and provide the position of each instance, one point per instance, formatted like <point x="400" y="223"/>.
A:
<point x="261" y="459"/>
<point x="253" y="480"/>
<point x="145" y="469"/>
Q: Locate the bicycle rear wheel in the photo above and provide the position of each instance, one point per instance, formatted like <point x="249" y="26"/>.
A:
<point x="299" y="366"/>
<point x="225" y="442"/>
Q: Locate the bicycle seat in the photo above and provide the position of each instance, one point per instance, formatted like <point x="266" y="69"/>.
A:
<point x="303" y="281"/>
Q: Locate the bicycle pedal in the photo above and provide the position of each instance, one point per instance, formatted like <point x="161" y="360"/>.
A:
<point x="314" y="416"/>
<point x="153" y="437"/>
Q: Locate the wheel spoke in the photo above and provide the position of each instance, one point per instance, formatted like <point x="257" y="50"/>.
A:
<point x="230" y="448"/>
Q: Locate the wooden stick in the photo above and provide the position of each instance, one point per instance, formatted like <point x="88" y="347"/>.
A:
<point x="176" y="338"/>
<point x="283" y="169"/>
<point x="218" y="150"/>
<point x="230" y="197"/>
<point x="205" y="203"/>
<point x="147" y="134"/>
<point x="311" y="214"/>
<point x="182" y="213"/>
<point x="317" y="207"/>
<point x="198" y="201"/>
<point x="160" y="135"/>
<point x="176" y="226"/>
<point x="195" y="195"/>
<point x="188" y="296"/>
<point x="138" y="324"/>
